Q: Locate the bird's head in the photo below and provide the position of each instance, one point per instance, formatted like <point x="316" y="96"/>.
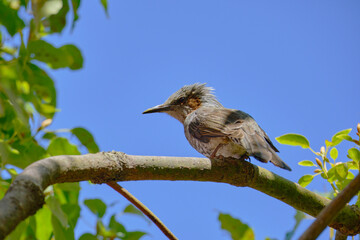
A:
<point x="186" y="100"/>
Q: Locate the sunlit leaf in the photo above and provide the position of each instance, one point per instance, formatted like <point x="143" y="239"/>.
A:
<point x="235" y="227"/>
<point x="334" y="153"/>
<point x="19" y="230"/>
<point x="56" y="210"/>
<point x="43" y="221"/>
<point x="96" y="206"/>
<point x="336" y="140"/>
<point x="341" y="184"/>
<point x="350" y="175"/>
<point x="62" y="146"/>
<point x="103" y="231"/>
<point x="294" y="140"/>
<point x="307" y="163"/>
<point x="332" y="174"/>
<point x="49" y="8"/>
<point x="86" y="139"/>
<point x="305" y="180"/>
<point x="341" y="170"/>
<point x="354" y="154"/>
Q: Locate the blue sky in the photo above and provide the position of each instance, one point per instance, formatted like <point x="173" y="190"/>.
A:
<point x="292" y="65"/>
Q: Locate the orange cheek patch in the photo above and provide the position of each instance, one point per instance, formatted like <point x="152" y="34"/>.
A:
<point x="194" y="103"/>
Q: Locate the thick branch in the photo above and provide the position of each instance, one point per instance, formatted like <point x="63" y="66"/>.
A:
<point x="25" y="196"/>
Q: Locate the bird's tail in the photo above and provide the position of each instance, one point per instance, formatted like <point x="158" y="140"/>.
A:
<point x="276" y="160"/>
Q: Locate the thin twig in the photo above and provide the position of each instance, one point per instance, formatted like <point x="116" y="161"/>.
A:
<point x="331" y="210"/>
<point x="142" y="208"/>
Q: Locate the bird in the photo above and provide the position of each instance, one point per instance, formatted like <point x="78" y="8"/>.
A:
<point x="215" y="131"/>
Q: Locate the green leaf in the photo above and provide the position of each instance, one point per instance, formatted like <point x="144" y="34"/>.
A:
<point x="133" y="235"/>
<point x="103" y="231"/>
<point x="57" y="22"/>
<point x="96" y="206"/>
<point x="237" y="229"/>
<point x="18" y="232"/>
<point x="49" y="8"/>
<point x="104" y="4"/>
<point x="9" y="19"/>
<point x="65" y="56"/>
<point x="75" y="7"/>
<point x="55" y="207"/>
<point x="49" y="135"/>
<point x="294" y="140"/>
<point x="133" y="210"/>
<point x="86" y="139"/>
<point x="28" y="151"/>
<point x="307" y="163"/>
<point x="341" y="184"/>
<point x="299" y="216"/>
<point x="43" y="92"/>
<point x="305" y="180"/>
<point x="336" y="139"/>
<point x="328" y="143"/>
<point x="74" y="56"/>
<point x="88" y="236"/>
<point x="332" y="174"/>
<point x="61" y="232"/>
<point x="334" y="153"/>
<point x="65" y="194"/>
<point x="350" y="175"/>
<point x="341" y="170"/>
<point x="117" y="227"/>
<point x="354" y="154"/>
<point x="358" y="200"/>
<point x="43" y="222"/>
<point x="72" y="211"/>
<point x="62" y="146"/>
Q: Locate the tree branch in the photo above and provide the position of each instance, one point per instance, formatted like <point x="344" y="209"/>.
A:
<point x="330" y="211"/>
<point x="143" y="209"/>
<point x="25" y="195"/>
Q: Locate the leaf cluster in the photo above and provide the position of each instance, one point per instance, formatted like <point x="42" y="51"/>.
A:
<point x="114" y="229"/>
<point x="336" y="171"/>
<point x="28" y="105"/>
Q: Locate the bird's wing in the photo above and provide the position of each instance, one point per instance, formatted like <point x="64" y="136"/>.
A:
<point x="237" y="126"/>
<point x="205" y="124"/>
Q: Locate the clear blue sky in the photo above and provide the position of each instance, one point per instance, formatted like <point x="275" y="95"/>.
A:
<point x="293" y="65"/>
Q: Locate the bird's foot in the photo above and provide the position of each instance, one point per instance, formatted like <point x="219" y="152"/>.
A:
<point x="213" y="155"/>
<point x="245" y="157"/>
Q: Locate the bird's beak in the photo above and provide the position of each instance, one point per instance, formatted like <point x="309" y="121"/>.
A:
<point x="158" y="108"/>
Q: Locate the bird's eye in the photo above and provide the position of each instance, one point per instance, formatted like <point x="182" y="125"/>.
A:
<point x="181" y="100"/>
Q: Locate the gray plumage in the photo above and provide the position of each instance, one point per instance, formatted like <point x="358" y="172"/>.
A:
<point x="215" y="131"/>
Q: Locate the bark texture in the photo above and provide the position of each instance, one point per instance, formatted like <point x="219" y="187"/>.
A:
<point x="25" y="196"/>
